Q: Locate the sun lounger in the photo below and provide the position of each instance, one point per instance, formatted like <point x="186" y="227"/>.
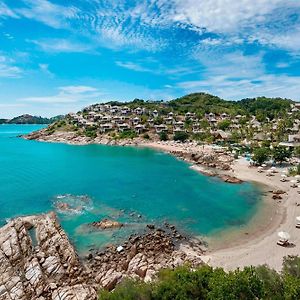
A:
<point x="282" y="243"/>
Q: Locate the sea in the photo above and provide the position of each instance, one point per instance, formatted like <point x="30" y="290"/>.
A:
<point x="136" y="186"/>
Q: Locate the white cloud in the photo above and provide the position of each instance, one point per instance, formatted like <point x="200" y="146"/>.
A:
<point x="45" y="69"/>
<point x="223" y="16"/>
<point x="68" y="94"/>
<point x="5" y="11"/>
<point x="236" y="76"/>
<point x="133" y="66"/>
<point x="8" y="69"/>
<point x="51" y="14"/>
<point x="61" y="45"/>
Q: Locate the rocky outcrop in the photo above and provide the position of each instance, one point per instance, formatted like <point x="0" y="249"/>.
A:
<point x="230" y="179"/>
<point x="38" y="262"/>
<point x="143" y="256"/>
<point x="107" y="224"/>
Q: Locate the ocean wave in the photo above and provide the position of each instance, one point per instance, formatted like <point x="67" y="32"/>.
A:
<point x="72" y="204"/>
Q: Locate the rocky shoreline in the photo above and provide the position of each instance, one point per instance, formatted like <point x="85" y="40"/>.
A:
<point x="38" y="261"/>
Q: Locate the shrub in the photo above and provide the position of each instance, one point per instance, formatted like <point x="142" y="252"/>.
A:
<point x="146" y="136"/>
<point x="127" y="134"/>
<point x="163" y="136"/>
<point x="180" y="136"/>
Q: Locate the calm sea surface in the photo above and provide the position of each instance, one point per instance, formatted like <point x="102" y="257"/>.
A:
<point x="136" y="186"/>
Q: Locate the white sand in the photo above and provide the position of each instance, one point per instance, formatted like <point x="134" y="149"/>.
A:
<point x="263" y="249"/>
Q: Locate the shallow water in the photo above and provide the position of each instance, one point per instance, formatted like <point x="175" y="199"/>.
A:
<point x="120" y="183"/>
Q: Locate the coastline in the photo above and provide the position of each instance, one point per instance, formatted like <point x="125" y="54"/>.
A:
<point x="253" y="244"/>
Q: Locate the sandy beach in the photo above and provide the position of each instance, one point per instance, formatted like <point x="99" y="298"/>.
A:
<point x="260" y="247"/>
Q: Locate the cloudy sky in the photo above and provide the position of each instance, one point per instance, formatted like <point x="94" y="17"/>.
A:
<point x="58" y="56"/>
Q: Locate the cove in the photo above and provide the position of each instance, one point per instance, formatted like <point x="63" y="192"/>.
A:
<point x="132" y="185"/>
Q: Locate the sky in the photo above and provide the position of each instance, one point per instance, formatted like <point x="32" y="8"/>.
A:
<point x="60" y="56"/>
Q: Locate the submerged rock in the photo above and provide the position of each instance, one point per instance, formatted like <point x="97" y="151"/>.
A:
<point x="107" y="224"/>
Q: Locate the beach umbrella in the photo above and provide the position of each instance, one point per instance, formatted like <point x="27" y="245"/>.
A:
<point x="283" y="235"/>
<point x="297" y="177"/>
<point x="283" y="175"/>
<point x="293" y="181"/>
<point x="260" y="168"/>
<point x="284" y="171"/>
<point x="273" y="168"/>
<point x="263" y="165"/>
<point x="298" y="218"/>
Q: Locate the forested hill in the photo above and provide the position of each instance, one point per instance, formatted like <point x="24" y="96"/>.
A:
<point x="201" y="103"/>
<point x="28" y="119"/>
<point x="204" y="103"/>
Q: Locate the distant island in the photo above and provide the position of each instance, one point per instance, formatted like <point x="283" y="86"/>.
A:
<point x="29" y="119"/>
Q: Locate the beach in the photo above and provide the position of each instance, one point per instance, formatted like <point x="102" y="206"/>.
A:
<point x="260" y="247"/>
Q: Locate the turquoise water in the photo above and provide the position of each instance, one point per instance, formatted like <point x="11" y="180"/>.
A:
<point x="119" y="183"/>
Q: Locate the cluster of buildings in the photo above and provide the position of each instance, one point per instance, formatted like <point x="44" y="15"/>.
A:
<point x="119" y="118"/>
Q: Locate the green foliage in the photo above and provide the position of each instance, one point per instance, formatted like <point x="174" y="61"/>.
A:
<point x="224" y="124"/>
<point x="146" y="136"/>
<point x="128" y="290"/>
<point x="281" y="154"/>
<point x="127" y="134"/>
<point x="90" y="132"/>
<point x="158" y="120"/>
<point x="163" y="136"/>
<point x="180" y="136"/>
<point x="297" y="151"/>
<point x="260" y="155"/>
<point x="291" y="266"/>
<point x="272" y="283"/>
<point x="206" y="283"/>
<point x="202" y="136"/>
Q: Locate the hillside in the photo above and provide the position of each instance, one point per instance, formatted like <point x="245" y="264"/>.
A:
<point x="29" y="119"/>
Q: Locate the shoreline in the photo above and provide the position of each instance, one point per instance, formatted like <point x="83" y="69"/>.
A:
<point x="251" y="244"/>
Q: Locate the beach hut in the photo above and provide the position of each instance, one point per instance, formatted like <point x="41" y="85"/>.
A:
<point x="298" y="222"/>
<point x="283" y="238"/>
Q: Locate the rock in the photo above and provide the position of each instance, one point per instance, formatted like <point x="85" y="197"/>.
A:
<point x="107" y="224"/>
<point x="76" y="292"/>
<point x="151" y="226"/>
<point x="110" y="279"/>
<point x="28" y="264"/>
<point x="230" y="179"/>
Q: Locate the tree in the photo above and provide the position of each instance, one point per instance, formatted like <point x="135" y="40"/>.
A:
<point x="181" y="136"/>
<point x="163" y="136"/>
<point x="281" y="154"/>
<point x="224" y="124"/>
<point x="260" y="155"/>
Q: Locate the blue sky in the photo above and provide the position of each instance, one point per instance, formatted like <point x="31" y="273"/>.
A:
<point x="59" y="56"/>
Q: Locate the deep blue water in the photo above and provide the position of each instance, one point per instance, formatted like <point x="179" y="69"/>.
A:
<point x="119" y="181"/>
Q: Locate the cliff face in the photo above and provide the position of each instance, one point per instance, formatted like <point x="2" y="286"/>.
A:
<point x="37" y="261"/>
